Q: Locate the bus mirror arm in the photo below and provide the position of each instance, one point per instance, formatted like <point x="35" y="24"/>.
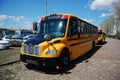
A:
<point x="53" y="46"/>
<point x="48" y="37"/>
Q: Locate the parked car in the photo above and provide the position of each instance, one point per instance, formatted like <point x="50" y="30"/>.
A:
<point x="7" y="37"/>
<point x="16" y="40"/>
<point x="28" y="37"/>
<point x="4" y="44"/>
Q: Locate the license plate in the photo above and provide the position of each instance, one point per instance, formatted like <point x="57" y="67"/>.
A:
<point x="31" y="61"/>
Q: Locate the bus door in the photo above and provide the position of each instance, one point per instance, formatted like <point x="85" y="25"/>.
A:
<point x="73" y="38"/>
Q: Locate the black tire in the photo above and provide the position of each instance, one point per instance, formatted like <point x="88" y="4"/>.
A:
<point x="64" y="59"/>
<point x="93" y="44"/>
<point x="28" y="66"/>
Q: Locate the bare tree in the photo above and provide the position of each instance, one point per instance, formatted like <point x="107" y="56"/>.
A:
<point x="107" y="25"/>
<point x="112" y="25"/>
<point x="117" y="20"/>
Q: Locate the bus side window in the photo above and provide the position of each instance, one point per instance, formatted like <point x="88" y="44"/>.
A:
<point x="72" y="27"/>
<point x="82" y="27"/>
<point x="79" y="26"/>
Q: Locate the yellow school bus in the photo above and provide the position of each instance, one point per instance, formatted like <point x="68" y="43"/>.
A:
<point x="60" y="38"/>
<point x="101" y="36"/>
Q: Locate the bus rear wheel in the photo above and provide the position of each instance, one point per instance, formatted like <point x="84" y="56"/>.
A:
<point x="93" y="44"/>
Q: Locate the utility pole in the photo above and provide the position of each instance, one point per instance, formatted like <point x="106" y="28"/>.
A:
<point x="46" y="6"/>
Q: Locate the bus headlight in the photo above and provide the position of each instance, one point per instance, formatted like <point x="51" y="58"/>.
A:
<point x="51" y="52"/>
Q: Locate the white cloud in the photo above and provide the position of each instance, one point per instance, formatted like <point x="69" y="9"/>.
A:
<point x="15" y="22"/>
<point x="18" y="19"/>
<point x="27" y="22"/>
<point x="11" y="17"/>
<point x="106" y="14"/>
<point x="104" y="4"/>
<point x="88" y="4"/>
<point x="27" y="25"/>
<point x="3" y="17"/>
<point x="88" y="20"/>
<point x="103" y="15"/>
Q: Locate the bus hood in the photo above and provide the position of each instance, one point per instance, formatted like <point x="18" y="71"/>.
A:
<point x="35" y="40"/>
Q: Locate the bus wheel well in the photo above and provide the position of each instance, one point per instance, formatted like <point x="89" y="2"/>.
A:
<point x="65" y="49"/>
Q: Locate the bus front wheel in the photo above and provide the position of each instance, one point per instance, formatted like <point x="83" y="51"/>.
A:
<point x="64" y="58"/>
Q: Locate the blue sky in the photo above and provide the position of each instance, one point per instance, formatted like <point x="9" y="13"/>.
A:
<point x="16" y="14"/>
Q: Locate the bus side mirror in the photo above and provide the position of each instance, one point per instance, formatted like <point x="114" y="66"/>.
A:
<point x="35" y="26"/>
<point x="47" y="37"/>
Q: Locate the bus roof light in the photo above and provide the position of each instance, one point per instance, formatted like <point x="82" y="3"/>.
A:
<point x="65" y="17"/>
<point x="43" y="18"/>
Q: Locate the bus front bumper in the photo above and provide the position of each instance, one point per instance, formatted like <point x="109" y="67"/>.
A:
<point x="43" y="62"/>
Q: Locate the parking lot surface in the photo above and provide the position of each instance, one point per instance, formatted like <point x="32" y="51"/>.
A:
<point x="101" y="63"/>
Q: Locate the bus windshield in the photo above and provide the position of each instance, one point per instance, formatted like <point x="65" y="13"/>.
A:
<point x="54" y="27"/>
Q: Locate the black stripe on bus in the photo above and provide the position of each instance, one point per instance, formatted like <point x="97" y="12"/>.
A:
<point x="79" y="43"/>
<point x="79" y="38"/>
<point x="72" y="39"/>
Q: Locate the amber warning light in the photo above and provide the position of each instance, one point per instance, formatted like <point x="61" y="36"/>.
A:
<point x="65" y="17"/>
<point x="43" y="18"/>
